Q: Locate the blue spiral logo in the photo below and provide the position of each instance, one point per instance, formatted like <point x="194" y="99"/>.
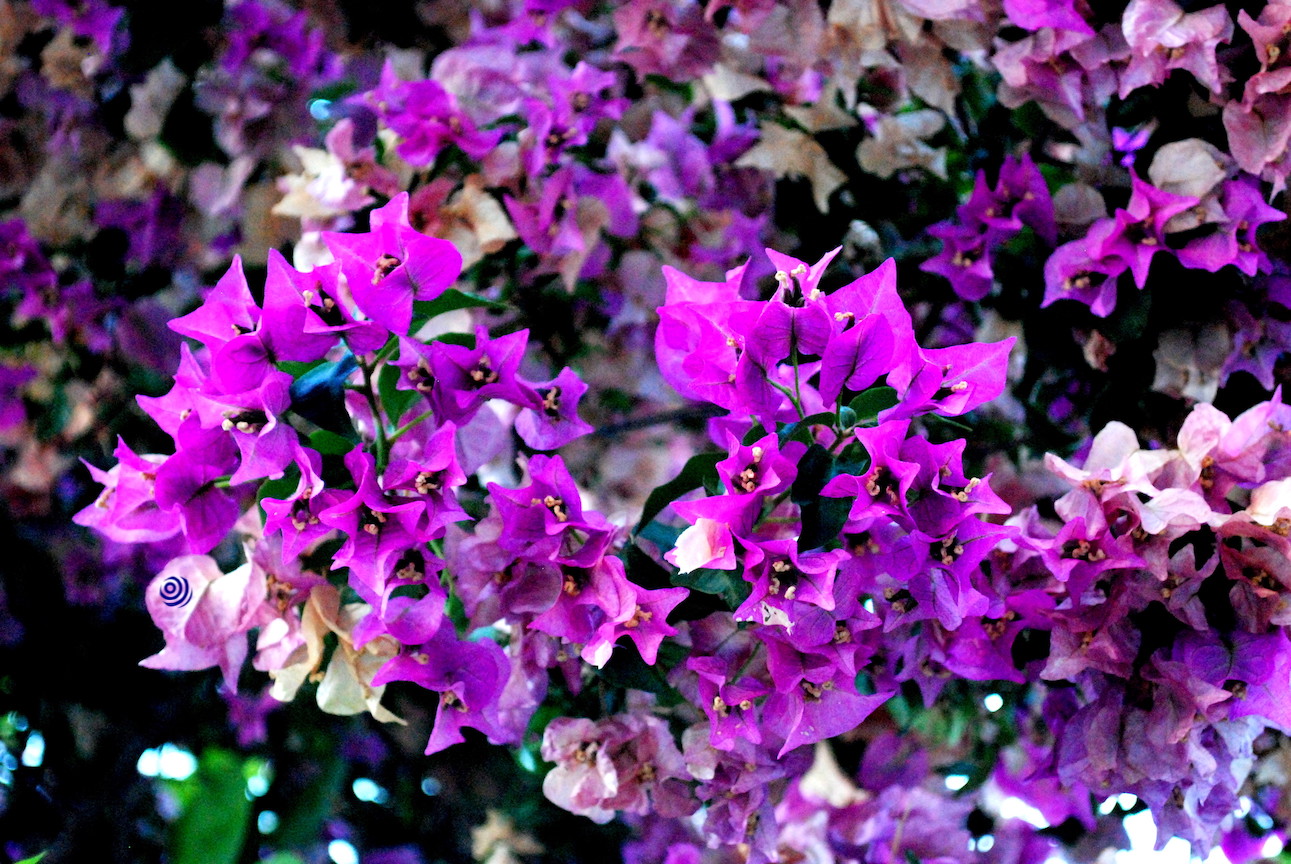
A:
<point x="175" y="591"/>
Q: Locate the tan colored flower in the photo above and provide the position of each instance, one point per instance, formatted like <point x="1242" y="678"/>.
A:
<point x="790" y="153"/>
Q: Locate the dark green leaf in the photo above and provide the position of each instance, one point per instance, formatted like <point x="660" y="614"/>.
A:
<point x="296" y="369"/>
<point x="466" y="340"/>
<point x="318" y="395"/>
<point x="699" y="471"/>
<point x="800" y="430"/>
<point x="331" y="444"/>
<point x="822" y="520"/>
<point x="936" y="420"/>
<point x="627" y="669"/>
<point x="281" y="489"/>
<point x="313" y="805"/>
<point x="867" y="405"/>
<point x="213" y="826"/>
<point x="814" y="470"/>
<point x="394" y="402"/>
<point x="663" y="536"/>
<point x="54" y="415"/>
<point x="643" y="570"/>
<point x="451" y="300"/>
<point x="727" y="584"/>
<point x="455" y="610"/>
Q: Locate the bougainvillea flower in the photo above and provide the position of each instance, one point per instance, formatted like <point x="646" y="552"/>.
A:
<point x="469" y="678"/>
<point x="705" y="544"/>
<point x="876" y="293"/>
<point x="592" y="603"/>
<point x="1258" y="131"/>
<point x="126" y="510"/>
<point x="426" y="468"/>
<point x="210" y="627"/>
<point x="954" y="380"/>
<point x="1022" y="189"/>
<point x="557" y="422"/>
<point x="427" y="119"/>
<point x="1057" y="14"/>
<point x="379" y="527"/>
<point x="1164" y="37"/>
<point x="391" y="265"/>
<point x="585" y="776"/>
<point x="779" y="572"/>
<point x="297" y="318"/>
<point x="857" y="357"/>
<point x="229" y="310"/>
<point x="1073" y="272"/>
<point x="794" y="319"/>
<point x="964" y="260"/>
<point x="625" y="762"/>
<point x="815" y="696"/>
<point x="665" y="37"/>
<point x="295" y="520"/>
<point x="1269" y="34"/>
<point x="466" y="378"/>
<point x="728" y="700"/>
<point x="546" y="520"/>
<point x="1139" y="229"/>
<point x="646" y="624"/>
<point x="884" y="488"/>
<point x="1233" y="241"/>
<point x="408" y="618"/>
<point x="186" y="485"/>
<point x="254" y="420"/>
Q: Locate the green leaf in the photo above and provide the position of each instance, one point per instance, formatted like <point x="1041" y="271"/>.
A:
<point x="283" y="858"/>
<point x="330" y="444"/>
<point x="813" y="473"/>
<point x="727" y="584"/>
<point x="642" y="569"/>
<point x="627" y="669"/>
<point x="663" y="536"/>
<point x="822" y="520"/>
<point x="700" y="470"/>
<point x="296" y="369"/>
<point x="394" y="402"/>
<point x="800" y="430"/>
<point x="450" y="301"/>
<point x="869" y="403"/>
<point x="455" y="611"/>
<point x="318" y="395"/>
<point x="303" y="822"/>
<point x="281" y="489"/>
<point x="936" y="420"/>
<point x="466" y="340"/>
<point x="213" y="827"/>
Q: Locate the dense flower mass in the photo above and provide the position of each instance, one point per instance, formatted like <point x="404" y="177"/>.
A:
<point x="773" y="431"/>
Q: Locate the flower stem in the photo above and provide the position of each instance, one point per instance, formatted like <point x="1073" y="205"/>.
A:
<point x="399" y="433"/>
<point x="378" y="421"/>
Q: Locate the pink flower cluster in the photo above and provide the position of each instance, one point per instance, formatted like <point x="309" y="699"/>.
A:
<point x="398" y="424"/>
<point x="1168" y="569"/>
